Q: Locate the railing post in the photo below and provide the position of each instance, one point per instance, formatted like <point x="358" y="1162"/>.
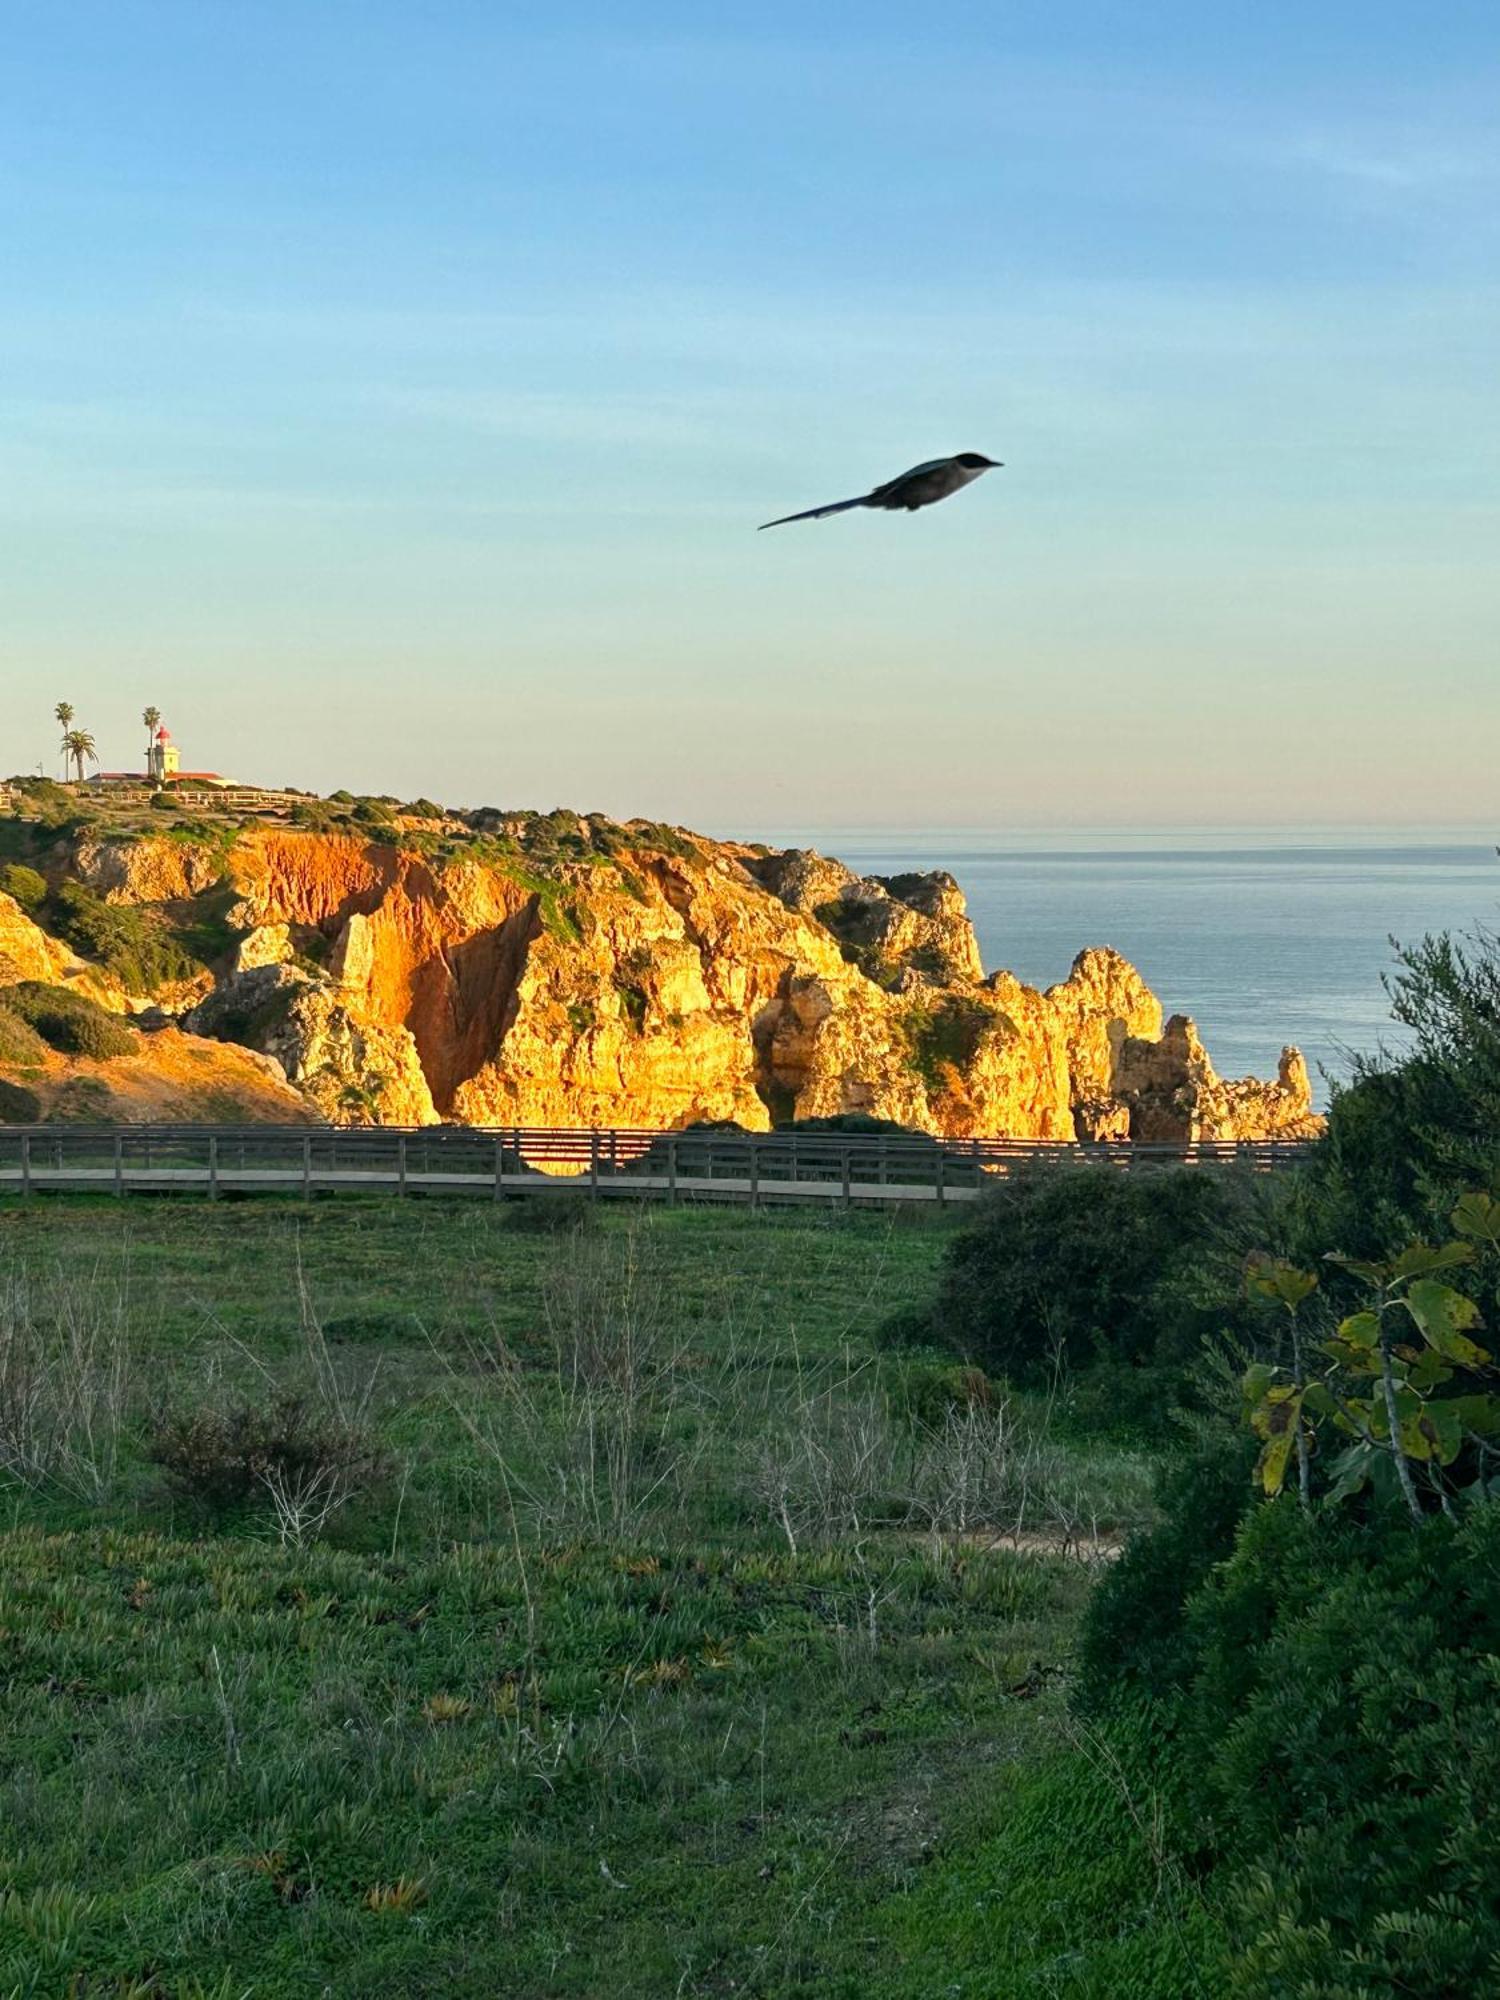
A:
<point x="754" y="1174"/>
<point x="26" y="1163"/>
<point x="401" y="1164"/>
<point x="672" y="1172"/>
<point x="594" y="1162"/>
<point x="119" y="1166"/>
<point x="848" y="1196"/>
<point x="307" y="1166"/>
<point x="942" y="1162"/>
<point x="499" y="1165"/>
<point x="213" y="1166"/>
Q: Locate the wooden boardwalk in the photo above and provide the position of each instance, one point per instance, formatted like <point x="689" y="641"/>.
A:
<point x="613" y="1163"/>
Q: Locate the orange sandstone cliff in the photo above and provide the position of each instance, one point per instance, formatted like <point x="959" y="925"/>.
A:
<point x="568" y="971"/>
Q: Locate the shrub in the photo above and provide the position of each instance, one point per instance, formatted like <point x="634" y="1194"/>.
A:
<point x="1133" y="1641"/>
<point x="137" y="945"/>
<point x="551" y="1214"/>
<point x="1088" y="1265"/>
<point x="859" y="1123"/>
<point x="24" y="884"/>
<point x="165" y="802"/>
<point x="19" y="1041"/>
<point x="1407" y="1137"/>
<point x="313" y="815"/>
<point x="942" y="1040"/>
<point x="1343" y="1732"/>
<point x="290" y="1450"/>
<point x="70" y="1022"/>
<point x="52" y="806"/>
<point x="18" y="1105"/>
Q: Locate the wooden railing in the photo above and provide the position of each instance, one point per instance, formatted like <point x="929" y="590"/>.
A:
<point x="496" y="1161"/>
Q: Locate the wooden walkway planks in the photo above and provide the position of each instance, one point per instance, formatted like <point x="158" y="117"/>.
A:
<point x="495" y="1162"/>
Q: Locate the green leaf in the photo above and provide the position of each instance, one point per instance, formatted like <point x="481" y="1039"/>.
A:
<point x="1277" y="1412"/>
<point x="1479" y="1413"/>
<point x="1417" y="1259"/>
<point x="1350" y="1472"/>
<point x="1257" y="1379"/>
<point x="1275" y="1279"/>
<point x="1440" y="1423"/>
<point x="1429" y="1371"/>
<point x="1377" y="1274"/>
<point x="1442" y="1314"/>
<point x="1478" y="1214"/>
<point x="1355" y="1415"/>
<point x="1414" y="1438"/>
<point x="1360" y="1329"/>
<point x="1357" y="1360"/>
<point x="1274" y="1459"/>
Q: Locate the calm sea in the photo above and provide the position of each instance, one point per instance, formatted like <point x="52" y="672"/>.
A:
<point x="1262" y="938"/>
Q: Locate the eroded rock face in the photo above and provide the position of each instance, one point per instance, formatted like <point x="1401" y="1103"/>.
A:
<point x="644" y="977"/>
<point x="145" y="871"/>
<point x="886" y="925"/>
<point x="354" y="1071"/>
<point x="1172" y="1092"/>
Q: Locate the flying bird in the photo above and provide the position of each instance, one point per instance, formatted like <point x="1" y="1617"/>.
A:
<point x="918" y="488"/>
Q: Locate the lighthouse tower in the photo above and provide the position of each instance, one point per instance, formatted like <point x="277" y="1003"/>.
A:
<point x="162" y="759"/>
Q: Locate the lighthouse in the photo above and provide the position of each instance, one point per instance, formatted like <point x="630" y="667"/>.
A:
<point x="162" y="759"/>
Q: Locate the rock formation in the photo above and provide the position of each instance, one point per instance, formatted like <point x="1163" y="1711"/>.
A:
<point x="568" y="971"/>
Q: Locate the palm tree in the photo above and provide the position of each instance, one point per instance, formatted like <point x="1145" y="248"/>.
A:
<point x="151" y="717"/>
<point x="78" y="744"/>
<point x="64" y="714"/>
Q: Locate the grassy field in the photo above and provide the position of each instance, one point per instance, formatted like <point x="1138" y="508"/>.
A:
<point x="626" y="1619"/>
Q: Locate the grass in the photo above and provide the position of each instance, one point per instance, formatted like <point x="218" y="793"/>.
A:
<point x="664" y="1654"/>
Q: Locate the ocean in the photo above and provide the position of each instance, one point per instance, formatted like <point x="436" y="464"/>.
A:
<point x="1264" y="938"/>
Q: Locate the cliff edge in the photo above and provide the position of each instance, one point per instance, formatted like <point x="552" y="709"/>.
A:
<point x="560" y="970"/>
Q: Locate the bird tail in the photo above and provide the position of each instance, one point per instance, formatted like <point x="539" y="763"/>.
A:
<point x="815" y="513"/>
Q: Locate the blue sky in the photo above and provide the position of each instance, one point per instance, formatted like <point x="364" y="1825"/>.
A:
<point x="390" y="393"/>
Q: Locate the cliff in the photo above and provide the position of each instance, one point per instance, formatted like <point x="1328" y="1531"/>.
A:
<point x="569" y="971"/>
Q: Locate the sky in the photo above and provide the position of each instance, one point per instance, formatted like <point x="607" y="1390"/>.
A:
<point x="390" y="393"/>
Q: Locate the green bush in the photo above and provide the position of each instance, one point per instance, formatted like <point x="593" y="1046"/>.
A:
<point x="552" y="1214"/>
<point x="223" y="1460"/>
<point x="166" y="802"/>
<point x="1343" y="1729"/>
<point x="1406" y="1137"/>
<point x="52" y="806"/>
<point x="70" y="1022"/>
<point x="1087" y="1266"/>
<point x="24" y="884"/>
<point x="136" y="944"/>
<point x="20" y="1043"/>
<point x="1133" y="1642"/>
<point x="18" y="1105"/>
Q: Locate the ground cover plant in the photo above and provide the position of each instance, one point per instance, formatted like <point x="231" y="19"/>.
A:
<point x="1308" y="1638"/>
<point x="396" y="1599"/>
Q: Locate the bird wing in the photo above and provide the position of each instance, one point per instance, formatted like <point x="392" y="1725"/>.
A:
<point x="818" y="513"/>
<point x="913" y="472"/>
